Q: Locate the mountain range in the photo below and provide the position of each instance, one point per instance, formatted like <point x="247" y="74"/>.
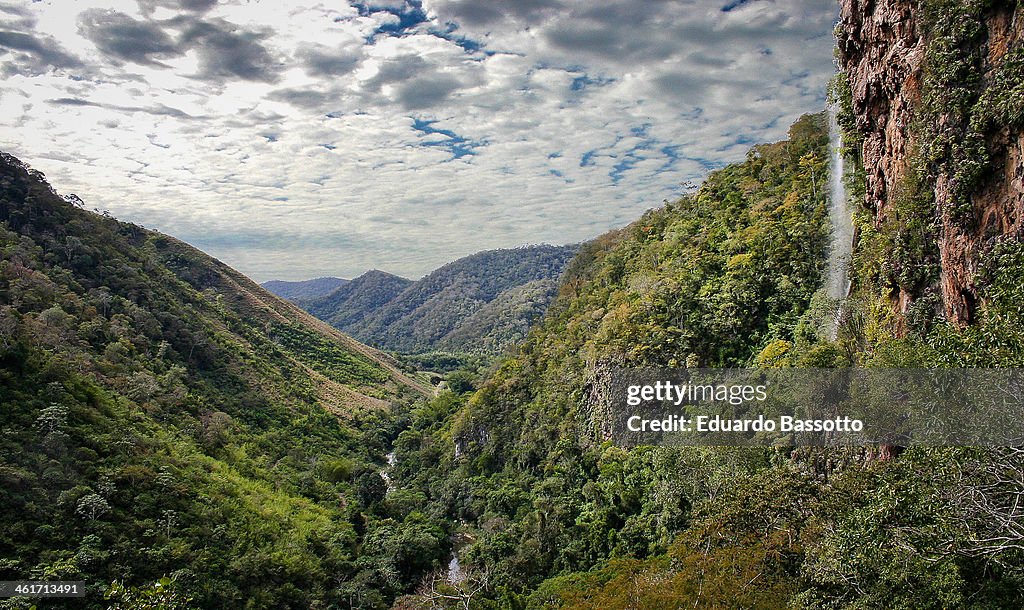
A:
<point x="481" y="303"/>
<point x="164" y="416"/>
<point x="166" y="420"/>
<point x="305" y="289"/>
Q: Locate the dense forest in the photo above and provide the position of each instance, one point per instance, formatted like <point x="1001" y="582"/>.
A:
<point x="480" y="304"/>
<point x="348" y="305"/>
<point x="555" y="516"/>
<point x="166" y="418"/>
<point x="178" y="437"/>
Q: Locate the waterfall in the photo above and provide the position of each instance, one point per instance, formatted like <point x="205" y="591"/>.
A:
<point x="455" y="573"/>
<point x="841" y="251"/>
<point x="385" y="473"/>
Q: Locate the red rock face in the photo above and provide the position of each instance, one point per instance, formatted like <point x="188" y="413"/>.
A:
<point x="881" y="52"/>
<point x="882" y="49"/>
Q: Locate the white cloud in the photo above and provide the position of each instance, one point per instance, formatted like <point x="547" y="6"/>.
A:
<point x="297" y="140"/>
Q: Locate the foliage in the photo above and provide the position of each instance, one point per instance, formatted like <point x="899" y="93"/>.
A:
<point x="161" y="595"/>
<point x="164" y="415"/>
<point x="961" y="110"/>
<point x="347" y="306"/>
<point x="167" y="417"/>
<point x="561" y="519"/>
<point x="712" y="279"/>
<point x="480" y="304"/>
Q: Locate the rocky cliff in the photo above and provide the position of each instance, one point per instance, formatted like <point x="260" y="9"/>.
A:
<point x="936" y="90"/>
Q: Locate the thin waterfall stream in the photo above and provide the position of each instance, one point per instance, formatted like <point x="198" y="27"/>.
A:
<point x="841" y="249"/>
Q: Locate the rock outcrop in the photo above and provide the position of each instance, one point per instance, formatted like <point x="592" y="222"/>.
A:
<point x="967" y="150"/>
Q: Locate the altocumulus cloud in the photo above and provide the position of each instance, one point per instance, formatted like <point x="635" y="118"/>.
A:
<point x="299" y="139"/>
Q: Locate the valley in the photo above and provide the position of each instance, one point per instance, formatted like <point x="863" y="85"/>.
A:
<point x="480" y="305"/>
<point x="176" y="436"/>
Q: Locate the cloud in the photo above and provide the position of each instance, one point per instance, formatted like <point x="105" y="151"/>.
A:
<point x="734" y="4"/>
<point x="313" y="138"/>
<point x="147" y="7"/>
<point x="34" y="54"/>
<point x="158" y="110"/>
<point x="399" y="69"/>
<point x="15" y="9"/>
<point x="427" y="92"/>
<point x="228" y="51"/>
<point x="416" y="83"/>
<point x="310" y="99"/>
<point x="474" y="14"/>
<point x="320" y="60"/>
<point x="123" y="38"/>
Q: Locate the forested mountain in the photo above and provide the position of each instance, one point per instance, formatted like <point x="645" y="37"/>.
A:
<point x="306" y="289"/>
<point x="558" y="517"/>
<point x="348" y="306"/>
<point x="163" y="416"/>
<point x="503" y="322"/>
<point x="708" y="280"/>
<point x="481" y="303"/>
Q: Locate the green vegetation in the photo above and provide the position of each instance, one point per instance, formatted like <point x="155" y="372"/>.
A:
<point x="346" y="307"/>
<point x="560" y="518"/>
<point x="970" y="102"/>
<point x="163" y="417"/>
<point x="161" y="595"/>
<point x="712" y="279"/>
<point x="481" y="304"/>
<point x="962" y="107"/>
<point x="176" y="436"/>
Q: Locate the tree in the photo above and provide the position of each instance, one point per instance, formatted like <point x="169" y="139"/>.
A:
<point x="371" y="488"/>
<point x="52" y="418"/>
<point x="92" y="506"/>
<point x="988" y="494"/>
<point x="8" y="327"/>
<point x="164" y="594"/>
<point x="441" y="589"/>
<point x="215" y="429"/>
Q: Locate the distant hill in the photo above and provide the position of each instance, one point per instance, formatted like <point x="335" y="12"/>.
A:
<point x="349" y="305"/>
<point x="481" y="303"/>
<point x="306" y="289"/>
<point x="504" y="321"/>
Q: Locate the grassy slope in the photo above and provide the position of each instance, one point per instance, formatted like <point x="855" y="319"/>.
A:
<point x="162" y="414"/>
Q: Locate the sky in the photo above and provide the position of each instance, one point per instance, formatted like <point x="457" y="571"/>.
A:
<point x="295" y="139"/>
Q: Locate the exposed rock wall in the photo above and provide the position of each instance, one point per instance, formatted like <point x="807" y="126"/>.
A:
<point x="884" y="49"/>
<point x="881" y="52"/>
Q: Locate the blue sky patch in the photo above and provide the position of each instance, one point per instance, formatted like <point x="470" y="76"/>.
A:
<point x="583" y="82"/>
<point x="455" y="144"/>
<point x="734" y="4"/>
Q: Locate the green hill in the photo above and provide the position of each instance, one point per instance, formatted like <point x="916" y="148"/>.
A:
<point x="709" y="280"/>
<point x="349" y="305"/>
<point x="482" y="303"/>
<point x="165" y="416"/>
<point x="558" y="517"/>
<point x="503" y="322"/>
